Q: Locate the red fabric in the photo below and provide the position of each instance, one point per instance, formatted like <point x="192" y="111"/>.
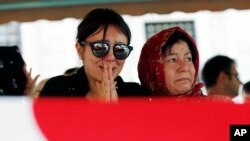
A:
<point x="247" y="100"/>
<point x="151" y="64"/>
<point x="156" y="119"/>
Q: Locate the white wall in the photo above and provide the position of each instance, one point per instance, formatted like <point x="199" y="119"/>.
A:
<point x="48" y="47"/>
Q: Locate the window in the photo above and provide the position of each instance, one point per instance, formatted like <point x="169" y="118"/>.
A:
<point x="10" y="34"/>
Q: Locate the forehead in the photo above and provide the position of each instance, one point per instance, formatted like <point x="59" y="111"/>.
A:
<point x="233" y="68"/>
<point x="112" y="33"/>
<point x="179" y="46"/>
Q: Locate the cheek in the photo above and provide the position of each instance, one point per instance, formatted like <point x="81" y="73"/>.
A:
<point x="89" y="57"/>
<point x="169" y="71"/>
<point x="120" y="64"/>
<point x="169" y="76"/>
<point x="192" y="71"/>
<point x="91" y="63"/>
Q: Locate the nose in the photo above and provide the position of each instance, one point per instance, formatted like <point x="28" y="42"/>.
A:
<point x="110" y="56"/>
<point x="182" y="66"/>
<point x="239" y="81"/>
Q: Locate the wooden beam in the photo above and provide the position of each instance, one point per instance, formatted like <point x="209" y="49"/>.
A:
<point x="136" y="8"/>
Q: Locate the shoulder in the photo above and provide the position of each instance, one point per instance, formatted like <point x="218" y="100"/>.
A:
<point x="54" y="85"/>
<point x="220" y="99"/>
<point x="65" y="86"/>
<point x="130" y="89"/>
<point x="57" y="79"/>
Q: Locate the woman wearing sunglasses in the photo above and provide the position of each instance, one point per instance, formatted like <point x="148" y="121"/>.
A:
<point x="103" y="40"/>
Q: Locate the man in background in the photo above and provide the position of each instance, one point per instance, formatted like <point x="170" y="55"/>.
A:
<point x="221" y="76"/>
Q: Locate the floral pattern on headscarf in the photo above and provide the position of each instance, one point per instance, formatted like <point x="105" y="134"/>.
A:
<point x="151" y="64"/>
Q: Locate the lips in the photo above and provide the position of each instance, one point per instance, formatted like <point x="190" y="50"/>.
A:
<point x="183" y="79"/>
<point x="102" y="68"/>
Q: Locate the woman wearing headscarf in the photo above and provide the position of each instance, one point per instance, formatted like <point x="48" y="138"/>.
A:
<point x="169" y="64"/>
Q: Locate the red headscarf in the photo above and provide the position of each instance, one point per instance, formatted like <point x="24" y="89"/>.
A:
<point x="151" y="64"/>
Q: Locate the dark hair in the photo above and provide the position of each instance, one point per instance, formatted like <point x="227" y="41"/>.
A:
<point x="175" y="37"/>
<point x="101" y="18"/>
<point x="71" y="71"/>
<point x="246" y="87"/>
<point x="213" y="67"/>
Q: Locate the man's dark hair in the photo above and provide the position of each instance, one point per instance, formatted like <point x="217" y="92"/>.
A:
<point x="213" y="67"/>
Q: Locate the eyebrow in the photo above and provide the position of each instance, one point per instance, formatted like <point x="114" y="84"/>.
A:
<point x="107" y="41"/>
<point x="189" y="52"/>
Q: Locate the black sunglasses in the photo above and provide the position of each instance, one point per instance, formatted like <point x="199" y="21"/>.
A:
<point x="101" y="49"/>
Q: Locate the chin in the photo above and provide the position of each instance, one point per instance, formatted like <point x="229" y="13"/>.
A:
<point x="184" y="90"/>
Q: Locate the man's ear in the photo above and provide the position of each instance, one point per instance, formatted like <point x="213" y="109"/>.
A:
<point x="222" y="77"/>
<point x="80" y="50"/>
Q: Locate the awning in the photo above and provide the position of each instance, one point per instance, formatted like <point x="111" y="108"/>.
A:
<point x="30" y="10"/>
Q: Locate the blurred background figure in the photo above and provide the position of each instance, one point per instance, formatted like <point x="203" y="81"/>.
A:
<point x="221" y="77"/>
<point x="246" y="92"/>
<point x="39" y="88"/>
<point x="11" y="71"/>
<point x="14" y="78"/>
